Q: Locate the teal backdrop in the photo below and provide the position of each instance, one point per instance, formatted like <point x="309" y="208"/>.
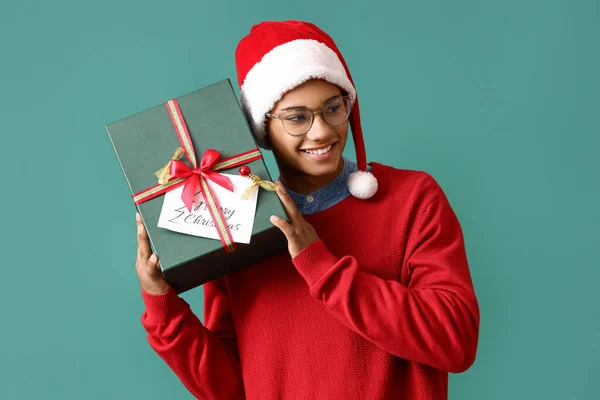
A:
<point x="498" y="100"/>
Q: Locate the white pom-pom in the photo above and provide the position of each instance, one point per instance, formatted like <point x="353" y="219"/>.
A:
<point x="362" y="184"/>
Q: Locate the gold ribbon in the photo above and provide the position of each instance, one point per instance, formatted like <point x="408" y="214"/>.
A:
<point x="256" y="181"/>
<point x="163" y="173"/>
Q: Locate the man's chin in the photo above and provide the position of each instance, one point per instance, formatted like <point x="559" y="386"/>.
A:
<point x="321" y="170"/>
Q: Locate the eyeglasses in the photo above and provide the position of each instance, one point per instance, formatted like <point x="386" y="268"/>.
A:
<point x="297" y="121"/>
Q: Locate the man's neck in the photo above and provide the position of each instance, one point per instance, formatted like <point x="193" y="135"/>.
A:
<point x="301" y="182"/>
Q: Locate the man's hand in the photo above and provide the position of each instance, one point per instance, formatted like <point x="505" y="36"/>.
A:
<point x="146" y="265"/>
<point x="298" y="232"/>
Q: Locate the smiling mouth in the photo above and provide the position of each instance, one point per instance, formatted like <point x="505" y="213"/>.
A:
<point x="323" y="150"/>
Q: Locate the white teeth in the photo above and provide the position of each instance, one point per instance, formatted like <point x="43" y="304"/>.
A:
<point x="319" y="151"/>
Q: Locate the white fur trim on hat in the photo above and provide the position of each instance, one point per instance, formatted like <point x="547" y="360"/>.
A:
<point x="362" y="185"/>
<point x="282" y="69"/>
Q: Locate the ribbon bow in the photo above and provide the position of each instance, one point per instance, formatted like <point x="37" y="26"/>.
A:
<point x="192" y="183"/>
<point x="256" y="181"/>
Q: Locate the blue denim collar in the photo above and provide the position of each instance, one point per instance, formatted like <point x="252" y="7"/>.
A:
<point x="328" y="195"/>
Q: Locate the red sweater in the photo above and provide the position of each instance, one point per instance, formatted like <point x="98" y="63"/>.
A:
<point x="381" y="307"/>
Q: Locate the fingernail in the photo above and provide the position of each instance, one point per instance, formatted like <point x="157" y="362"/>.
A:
<point x="273" y="218"/>
<point x="153" y="258"/>
<point x="139" y="228"/>
<point x="137" y="216"/>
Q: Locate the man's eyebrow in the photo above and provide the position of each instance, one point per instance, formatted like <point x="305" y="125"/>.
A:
<point x="294" y="108"/>
<point x="304" y="107"/>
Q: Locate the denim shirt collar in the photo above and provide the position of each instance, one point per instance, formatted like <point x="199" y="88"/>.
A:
<point x="328" y="195"/>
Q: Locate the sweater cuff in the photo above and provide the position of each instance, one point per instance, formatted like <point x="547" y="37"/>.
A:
<point x="314" y="261"/>
<point x="161" y="307"/>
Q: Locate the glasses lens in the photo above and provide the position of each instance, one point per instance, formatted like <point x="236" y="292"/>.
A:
<point x="336" y="111"/>
<point x="296" y="122"/>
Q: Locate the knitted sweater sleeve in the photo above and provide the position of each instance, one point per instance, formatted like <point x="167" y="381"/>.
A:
<point x="205" y="358"/>
<point x="432" y="318"/>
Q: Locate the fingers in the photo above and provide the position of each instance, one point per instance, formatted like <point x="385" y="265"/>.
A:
<point x="147" y="265"/>
<point x="146" y="259"/>
<point x="142" y="236"/>
<point x="287" y="201"/>
<point x="283" y="225"/>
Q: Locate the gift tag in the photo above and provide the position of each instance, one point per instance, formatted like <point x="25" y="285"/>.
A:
<point x="238" y="213"/>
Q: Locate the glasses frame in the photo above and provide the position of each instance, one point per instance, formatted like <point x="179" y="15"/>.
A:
<point x="346" y="98"/>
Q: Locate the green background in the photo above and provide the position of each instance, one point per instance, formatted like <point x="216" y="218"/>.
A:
<point x="498" y="100"/>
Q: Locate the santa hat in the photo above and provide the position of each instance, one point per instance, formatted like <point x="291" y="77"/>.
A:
<point x="275" y="58"/>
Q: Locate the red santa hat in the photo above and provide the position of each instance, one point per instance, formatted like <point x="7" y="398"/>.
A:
<point x="275" y="58"/>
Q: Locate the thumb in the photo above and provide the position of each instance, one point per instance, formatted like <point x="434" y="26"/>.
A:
<point x="152" y="268"/>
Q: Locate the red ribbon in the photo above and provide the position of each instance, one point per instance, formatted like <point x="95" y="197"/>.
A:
<point x="192" y="184"/>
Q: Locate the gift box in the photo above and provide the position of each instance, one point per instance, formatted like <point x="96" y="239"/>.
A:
<point x="196" y="138"/>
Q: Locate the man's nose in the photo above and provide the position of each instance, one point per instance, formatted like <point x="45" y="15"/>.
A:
<point x="319" y="130"/>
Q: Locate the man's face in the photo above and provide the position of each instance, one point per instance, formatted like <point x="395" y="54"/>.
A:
<point x="319" y="151"/>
